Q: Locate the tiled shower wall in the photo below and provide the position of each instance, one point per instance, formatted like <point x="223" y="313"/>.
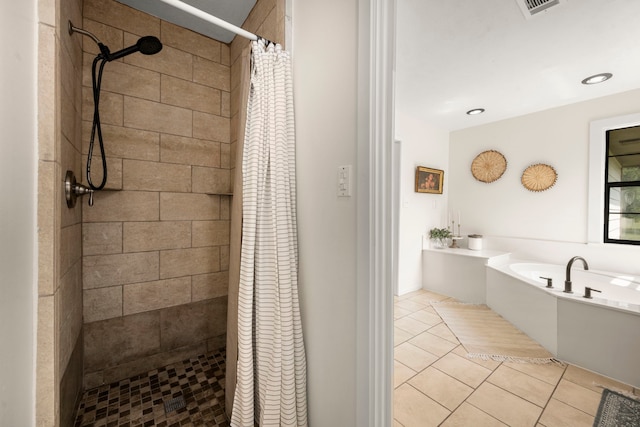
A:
<point x="59" y="327"/>
<point x="156" y="245"/>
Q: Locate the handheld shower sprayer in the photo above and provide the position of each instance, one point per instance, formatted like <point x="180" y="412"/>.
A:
<point x="147" y="45"/>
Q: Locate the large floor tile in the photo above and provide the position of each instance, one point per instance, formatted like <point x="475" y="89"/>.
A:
<point x="425" y="316"/>
<point x="442" y="330"/>
<point x="577" y="396"/>
<point x="414" y="327"/>
<point x="413" y="357"/>
<point x="527" y="387"/>
<point x="462" y="369"/>
<point x="414" y="409"/>
<point x="558" y="414"/>
<point x="432" y="344"/>
<point x="399" y="312"/>
<point x="547" y="372"/>
<point x="507" y="407"/>
<point x="400" y="336"/>
<point x="467" y="415"/>
<point x="442" y="388"/>
<point x="401" y="373"/>
<point x="408" y="304"/>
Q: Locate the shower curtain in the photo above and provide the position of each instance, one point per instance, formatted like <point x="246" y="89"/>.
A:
<point x="271" y="366"/>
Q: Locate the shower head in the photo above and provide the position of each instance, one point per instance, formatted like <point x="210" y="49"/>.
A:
<point x="147" y="45"/>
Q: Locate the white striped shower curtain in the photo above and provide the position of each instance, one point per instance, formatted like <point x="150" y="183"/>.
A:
<point x="271" y="369"/>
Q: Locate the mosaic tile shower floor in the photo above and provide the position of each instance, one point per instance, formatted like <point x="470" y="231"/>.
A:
<point x="140" y="400"/>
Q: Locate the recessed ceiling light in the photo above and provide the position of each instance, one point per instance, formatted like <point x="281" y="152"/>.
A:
<point x="597" y="78"/>
<point x="475" y="111"/>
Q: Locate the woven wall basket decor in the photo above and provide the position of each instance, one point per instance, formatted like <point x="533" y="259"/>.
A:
<point x="488" y="166"/>
<point x="539" y="177"/>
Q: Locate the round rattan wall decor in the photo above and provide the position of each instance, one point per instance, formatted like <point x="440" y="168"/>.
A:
<point x="539" y="177"/>
<point x="488" y="166"/>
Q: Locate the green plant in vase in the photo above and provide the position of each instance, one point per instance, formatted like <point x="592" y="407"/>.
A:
<point x="440" y="237"/>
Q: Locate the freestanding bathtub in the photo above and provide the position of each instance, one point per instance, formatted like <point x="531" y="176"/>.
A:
<point x="601" y="334"/>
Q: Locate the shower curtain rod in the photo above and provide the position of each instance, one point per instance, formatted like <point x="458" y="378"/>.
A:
<point x="212" y="19"/>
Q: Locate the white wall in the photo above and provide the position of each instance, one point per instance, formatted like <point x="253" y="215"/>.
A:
<point x="17" y="211"/>
<point x="422" y="145"/>
<point x="550" y="225"/>
<point x="325" y="94"/>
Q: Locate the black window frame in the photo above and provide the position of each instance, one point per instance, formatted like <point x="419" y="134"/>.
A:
<point x="607" y="193"/>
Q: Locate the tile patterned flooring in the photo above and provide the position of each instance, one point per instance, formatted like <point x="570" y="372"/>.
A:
<point x="435" y="384"/>
<point x="140" y="400"/>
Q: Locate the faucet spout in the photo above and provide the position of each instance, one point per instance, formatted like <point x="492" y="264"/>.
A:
<point x="567" y="281"/>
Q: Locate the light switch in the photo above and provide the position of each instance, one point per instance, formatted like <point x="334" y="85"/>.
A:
<point x="344" y="181"/>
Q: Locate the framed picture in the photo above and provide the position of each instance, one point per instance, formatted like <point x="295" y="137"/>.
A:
<point x="429" y="180"/>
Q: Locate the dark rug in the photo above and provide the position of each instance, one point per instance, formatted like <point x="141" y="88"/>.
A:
<point x="617" y="410"/>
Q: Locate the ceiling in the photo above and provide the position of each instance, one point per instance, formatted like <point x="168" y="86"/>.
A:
<point x="455" y="55"/>
<point x="232" y="11"/>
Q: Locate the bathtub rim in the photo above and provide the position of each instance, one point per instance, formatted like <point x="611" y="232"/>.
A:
<point x="505" y="268"/>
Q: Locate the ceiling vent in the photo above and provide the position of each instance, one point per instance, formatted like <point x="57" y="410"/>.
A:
<point x="532" y="7"/>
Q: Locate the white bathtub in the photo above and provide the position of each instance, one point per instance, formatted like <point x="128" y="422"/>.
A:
<point x="600" y="334"/>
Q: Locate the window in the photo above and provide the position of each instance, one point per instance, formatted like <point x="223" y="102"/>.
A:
<point x="622" y="186"/>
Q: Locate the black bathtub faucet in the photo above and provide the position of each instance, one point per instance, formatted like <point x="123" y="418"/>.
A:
<point x="567" y="281"/>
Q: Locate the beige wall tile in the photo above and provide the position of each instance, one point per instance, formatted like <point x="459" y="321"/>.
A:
<point x="152" y="116"/>
<point x="153" y="176"/>
<point x="183" y="39"/>
<point x="100" y="271"/>
<point x="101" y="238"/>
<point x="47" y="232"/>
<point x="210" y="233"/>
<point x="269" y="27"/>
<point x="211" y="180"/>
<point x="225" y="207"/>
<point x="213" y="128"/>
<point x="258" y="14"/>
<point x="125" y="79"/>
<point x="184" y="262"/>
<point x="211" y="74"/>
<point x="114" y="341"/>
<point x="187" y="323"/>
<point x="139" y="297"/>
<point x="110" y="36"/>
<point x="189" y="151"/>
<point x="150" y="236"/>
<point x="47" y="12"/>
<point x="182" y="206"/>
<point x="70" y="247"/>
<point x="225" y="156"/>
<point x="224" y="257"/>
<point x="225" y="104"/>
<point x="168" y="61"/>
<point x="70" y="311"/>
<point x="111" y="107"/>
<point x="207" y="286"/>
<point x="45" y="362"/>
<point x="123" y="206"/>
<point x="102" y="303"/>
<point x="69" y="116"/>
<point x="124" y="142"/>
<point x="69" y="10"/>
<point x="124" y="17"/>
<point x="70" y="160"/>
<point x="71" y="385"/>
<point x="224" y="55"/>
<point x="46" y="92"/>
<point x="190" y="95"/>
<point x="114" y="172"/>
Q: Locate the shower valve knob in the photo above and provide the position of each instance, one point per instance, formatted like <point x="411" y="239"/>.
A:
<point x="72" y="190"/>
